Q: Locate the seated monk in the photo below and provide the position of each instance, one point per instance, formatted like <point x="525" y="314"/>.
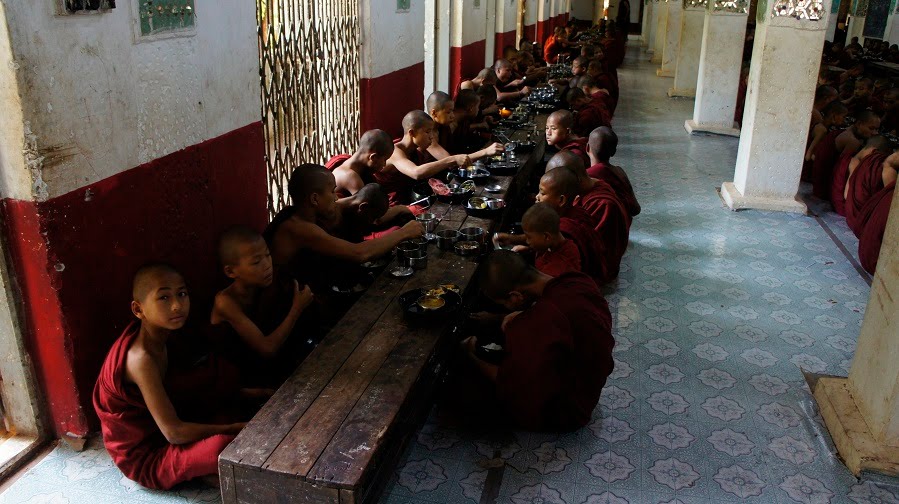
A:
<point x="594" y="92"/>
<point x="870" y="176"/>
<point x="589" y="114"/>
<point x="866" y="125"/>
<point x="442" y="109"/>
<point x="487" y="107"/>
<point x="873" y="223"/>
<point x="464" y="137"/>
<point x="409" y="161"/>
<point x="849" y="162"/>
<point x="578" y="70"/>
<point x="889" y="123"/>
<point x="558" y="344"/>
<point x="861" y="97"/>
<point x="356" y="217"/>
<point x="300" y="245"/>
<point x="486" y="77"/>
<point x="508" y="88"/>
<point x="555" y="254"/>
<point x="601" y="146"/>
<point x="822" y="151"/>
<point x="824" y="96"/>
<point x="559" y="134"/>
<point x="605" y="80"/>
<point x="259" y="311"/>
<point x="150" y="440"/>
<point x="554" y="46"/>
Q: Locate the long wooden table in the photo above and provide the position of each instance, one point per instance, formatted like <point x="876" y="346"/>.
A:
<point x="334" y="430"/>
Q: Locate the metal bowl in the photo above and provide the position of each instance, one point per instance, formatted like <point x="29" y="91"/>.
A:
<point x="468" y="248"/>
<point x="417" y="260"/>
<point x="493" y="188"/>
<point x="447" y="238"/>
<point x="474" y="234"/>
<point x="431" y="303"/>
<point x="479" y="175"/>
<point x="484" y="207"/>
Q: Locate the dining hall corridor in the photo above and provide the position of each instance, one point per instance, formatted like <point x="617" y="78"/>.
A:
<point x="716" y="315"/>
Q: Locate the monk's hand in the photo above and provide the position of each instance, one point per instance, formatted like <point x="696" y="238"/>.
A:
<point x="495" y="148"/>
<point x="302" y="298"/>
<point x="412" y="229"/>
<point x="469" y="344"/>
<point x="462" y="160"/>
<point x="520" y="248"/>
<point x="525" y="91"/>
<point x="502" y="239"/>
<point x="508" y="318"/>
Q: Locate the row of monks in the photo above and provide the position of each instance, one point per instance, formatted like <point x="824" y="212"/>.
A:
<point x="168" y="405"/>
<point x="850" y="159"/>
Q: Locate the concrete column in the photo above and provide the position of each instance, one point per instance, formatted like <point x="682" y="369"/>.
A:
<point x="782" y="80"/>
<point x="672" y="39"/>
<point x="862" y="411"/>
<point x="660" y="26"/>
<point x="687" y="69"/>
<point x="647" y="18"/>
<point x="720" y="58"/>
<point x="651" y="29"/>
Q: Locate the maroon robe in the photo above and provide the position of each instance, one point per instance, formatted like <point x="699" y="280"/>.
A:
<point x="577" y="226"/>
<point x="874" y="222"/>
<point x="865" y="181"/>
<point x="591" y="116"/>
<point x="565" y="259"/>
<point x="337" y="161"/>
<point x="838" y="183"/>
<point x="823" y="165"/>
<point x="133" y="438"/>
<point x="577" y="146"/>
<point x="558" y="356"/>
<point x="609" y="174"/>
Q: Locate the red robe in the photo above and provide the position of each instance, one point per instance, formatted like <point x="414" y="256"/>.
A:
<point x="130" y="434"/>
<point x="396" y="184"/>
<point x="874" y="222"/>
<point x="823" y="165"/>
<point x="565" y="259"/>
<point x="577" y="146"/>
<point x="838" y="183"/>
<point x="332" y="165"/>
<point x="611" y="218"/>
<point x="866" y="180"/>
<point x="609" y="174"/>
<point x="596" y="259"/>
<point x="603" y="100"/>
<point x="558" y="356"/>
<point x="591" y="116"/>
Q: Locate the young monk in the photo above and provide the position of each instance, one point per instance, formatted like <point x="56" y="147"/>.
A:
<point x="356" y="217"/>
<point x="822" y="152"/>
<point x="832" y="117"/>
<point x="824" y="96"/>
<point x="298" y="242"/>
<point x="508" y="88"/>
<point x="604" y="80"/>
<point x="870" y="176"/>
<point x="260" y="312"/>
<point x="599" y="96"/>
<point x="560" y="134"/>
<point x="873" y="219"/>
<point x="589" y="114"/>
<point x="601" y="146"/>
<point x="486" y="77"/>
<point x="861" y="97"/>
<point x="555" y="254"/>
<point x="442" y="109"/>
<point x="889" y="123"/>
<point x="410" y="160"/>
<point x="578" y="70"/>
<point x="558" y="344"/>
<point x="866" y="126"/>
<point x="554" y="46"/>
<point x="487" y="107"/>
<point x="352" y="172"/>
<point x="147" y="438"/>
<point x="848" y="162"/>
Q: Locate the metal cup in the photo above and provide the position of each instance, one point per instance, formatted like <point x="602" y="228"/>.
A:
<point x="447" y="238"/>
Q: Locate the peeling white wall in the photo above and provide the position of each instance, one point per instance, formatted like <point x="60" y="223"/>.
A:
<point x="98" y="103"/>
<point x="15" y="180"/>
<point x="391" y="39"/>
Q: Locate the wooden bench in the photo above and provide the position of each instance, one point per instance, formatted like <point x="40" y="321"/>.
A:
<point x="334" y="430"/>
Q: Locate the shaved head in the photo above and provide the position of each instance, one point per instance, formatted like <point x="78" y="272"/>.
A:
<point x="376" y="142"/>
<point x="541" y="218"/>
<point x="376" y="198"/>
<point x="603" y="143"/>
<point x="309" y="179"/>
<point x="501" y="63"/>
<point x="566" y="159"/>
<point x="563" y="182"/>
<point x="574" y="94"/>
<point x="487" y="75"/>
<point x="148" y="277"/>
<point x="504" y="272"/>
<point x="866" y="116"/>
<point x="562" y="118"/>
<point x="439" y="101"/>
<point x="416" y="120"/>
<point x="467" y="98"/>
<point x="232" y="240"/>
<point x="879" y="143"/>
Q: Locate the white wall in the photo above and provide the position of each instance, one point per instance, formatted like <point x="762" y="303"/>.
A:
<point x="506" y="15"/>
<point x="15" y="180"/>
<point x="469" y="23"/>
<point x="530" y="16"/>
<point x="391" y="40"/>
<point x="98" y="103"/>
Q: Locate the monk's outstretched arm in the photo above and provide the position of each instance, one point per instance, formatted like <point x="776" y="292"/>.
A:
<point x="317" y="239"/>
<point x="490" y="150"/>
<point x="437" y="151"/>
<point x="427" y="170"/>
<point x="143" y="371"/>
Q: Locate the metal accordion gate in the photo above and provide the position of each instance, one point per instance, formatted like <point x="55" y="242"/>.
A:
<point x="309" y="67"/>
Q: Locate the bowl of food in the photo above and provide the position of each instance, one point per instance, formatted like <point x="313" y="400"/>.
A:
<point x="477" y="174"/>
<point x="430" y="304"/>
<point x="474" y="234"/>
<point x="484" y="207"/>
<point x="468" y="248"/>
<point x="447" y="238"/>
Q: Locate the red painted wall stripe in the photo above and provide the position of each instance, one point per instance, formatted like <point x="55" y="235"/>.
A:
<point x="530" y="33"/>
<point x="502" y="41"/>
<point x="465" y="63"/>
<point x="74" y="255"/>
<point x="386" y="99"/>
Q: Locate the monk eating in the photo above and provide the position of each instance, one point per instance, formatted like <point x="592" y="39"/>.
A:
<point x="824" y="96"/>
<point x="589" y="114"/>
<point x="861" y="97"/>
<point x="560" y="135"/>
<point x="601" y="146"/>
<point x="300" y="245"/>
<point x="558" y="344"/>
<point x="260" y="312"/>
<point x="555" y="254"/>
<point x="147" y="437"/>
<point x="866" y="125"/>
<point x="410" y="160"/>
<point x="873" y="218"/>
<point x="605" y="80"/>
<point x="508" y="88"/>
<point x="354" y="171"/>
<point x="599" y="96"/>
<point x="822" y="150"/>
<point x="848" y="163"/>
<point x="443" y="110"/>
<point x="356" y="217"/>
<point x="486" y="77"/>
<point x="870" y="176"/>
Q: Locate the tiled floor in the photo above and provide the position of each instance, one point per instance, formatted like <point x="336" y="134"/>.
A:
<point x="715" y="313"/>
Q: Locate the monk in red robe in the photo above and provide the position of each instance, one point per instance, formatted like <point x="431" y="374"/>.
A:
<point x="822" y="149"/>
<point x="486" y="77"/>
<point x="148" y="439"/>
<point x="442" y="110"/>
<point x="560" y="134"/>
<point x="874" y="217"/>
<point x="871" y="175"/>
<point x="558" y="344"/>
<point x="604" y="78"/>
<point x="555" y="253"/>
<point x="847" y="163"/>
<point x="599" y="96"/>
<point x="601" y="146"/>
<point x="354" y="171"/>
<point x="589" y="114"/>
<point x="866" y="126"/>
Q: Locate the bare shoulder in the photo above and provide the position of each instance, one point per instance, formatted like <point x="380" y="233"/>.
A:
<point x="140" y="363"/>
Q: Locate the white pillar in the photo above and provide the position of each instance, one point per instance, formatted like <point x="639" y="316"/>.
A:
<point x="651" y="29"/>
<point x="659" y="40"/>
<point x="687" y="69"/>
<point x="782" y="80"/>
<point x="720" y="58"/>
<point x="862" y="411"/>
<point x="644" y="26"/>
<point x="672" y="39"/>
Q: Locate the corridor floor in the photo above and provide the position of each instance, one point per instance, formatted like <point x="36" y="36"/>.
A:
<point x="715" y="313"/>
